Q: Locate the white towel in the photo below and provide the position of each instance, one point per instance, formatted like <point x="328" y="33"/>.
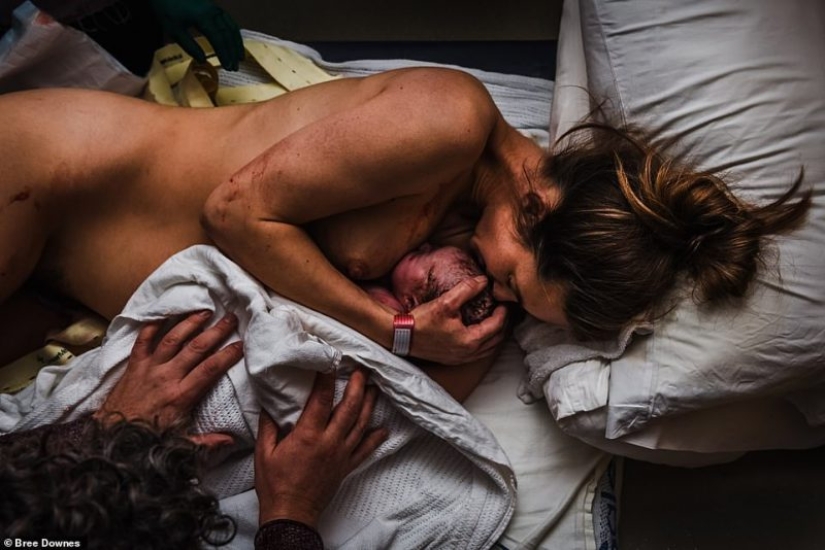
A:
<point x="549" y="348"/>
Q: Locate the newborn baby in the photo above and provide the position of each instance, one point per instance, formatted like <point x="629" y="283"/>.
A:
<point x="427" y="273"/>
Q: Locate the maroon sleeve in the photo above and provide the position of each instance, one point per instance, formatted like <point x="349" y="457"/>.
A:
<point x="286" y="534"/>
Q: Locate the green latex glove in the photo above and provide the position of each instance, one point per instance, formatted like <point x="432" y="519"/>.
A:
<point x="179" y="16"/>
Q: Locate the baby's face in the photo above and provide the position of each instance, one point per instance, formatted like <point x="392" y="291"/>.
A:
<point x="426" y="273"/>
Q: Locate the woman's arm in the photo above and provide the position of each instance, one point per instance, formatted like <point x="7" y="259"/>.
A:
<point x="460" y="380"/>
<point x="422" y="129"/>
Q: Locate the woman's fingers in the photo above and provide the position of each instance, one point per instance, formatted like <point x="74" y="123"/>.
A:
<point x="212" y="440"/>
<point x="493" y="325"/>
<point x="266" y="441"/>
<point x="203" y="377"/>
<point x="359" y="427"/>
<point x="367" y="446"/>
<point x="347" y="422"/>
<point x="145" y="343"/>
<point x="464" y="291"/>
<point x="318" y="407"/>
<point x="267" y="430"/>
<point x="194" y="351"/>
<point x="466" y="343"/>
<point x="171" y="342"/>
<point x="444" y="337"/>
<point x="348" y="410"/>
<point x="489" y="333"/>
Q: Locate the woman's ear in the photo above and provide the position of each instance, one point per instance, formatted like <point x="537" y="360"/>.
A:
<point x="532" y="207"/>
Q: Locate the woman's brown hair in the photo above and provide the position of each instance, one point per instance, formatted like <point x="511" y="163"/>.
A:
<point x="630" y="221"/>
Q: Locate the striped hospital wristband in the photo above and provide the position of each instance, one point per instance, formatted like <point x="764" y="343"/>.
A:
<point x="402" y="328"/>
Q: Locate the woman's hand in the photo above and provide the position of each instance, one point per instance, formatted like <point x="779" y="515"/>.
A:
<point x="296" y="477"/>
<point x="442" y="337"/>
<point x="164" y="381"/>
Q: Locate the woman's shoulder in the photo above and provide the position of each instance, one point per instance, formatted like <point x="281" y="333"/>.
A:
<point x="452" y="104"/>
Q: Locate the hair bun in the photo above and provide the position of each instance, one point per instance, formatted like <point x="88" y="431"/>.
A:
<point x="723" y="237"/>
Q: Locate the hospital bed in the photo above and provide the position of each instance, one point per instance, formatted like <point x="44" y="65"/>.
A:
<point x="741" y="84"/>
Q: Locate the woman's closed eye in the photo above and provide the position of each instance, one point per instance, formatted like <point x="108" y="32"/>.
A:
<point x="502" y="292"/>
<point x="513" y="289"/>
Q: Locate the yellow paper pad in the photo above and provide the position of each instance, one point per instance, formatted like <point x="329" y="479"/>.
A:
<point x="172" y="82"/>
<point x="290" y="69"/>
<point x="253" y="93"/>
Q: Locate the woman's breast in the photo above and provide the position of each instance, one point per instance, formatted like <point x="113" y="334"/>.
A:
<point x="366" y="244"/>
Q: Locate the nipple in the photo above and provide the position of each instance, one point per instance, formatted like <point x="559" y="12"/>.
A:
<point x="356" y="270"/>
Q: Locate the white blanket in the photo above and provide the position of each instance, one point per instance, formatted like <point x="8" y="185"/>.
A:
<point x="451" y="487"/>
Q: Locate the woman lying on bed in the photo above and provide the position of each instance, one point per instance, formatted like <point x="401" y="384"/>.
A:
<point x="336" y="182"/>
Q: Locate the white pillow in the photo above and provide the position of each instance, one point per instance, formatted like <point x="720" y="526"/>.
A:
<point x="742" y="84"/>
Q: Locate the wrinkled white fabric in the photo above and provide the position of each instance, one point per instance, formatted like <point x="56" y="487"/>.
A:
<point x="440" y="481"/>
<point x="549" y="348"/>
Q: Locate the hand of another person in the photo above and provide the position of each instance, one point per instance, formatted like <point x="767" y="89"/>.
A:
<point x="179" y="16"/>
<point x="164" y="381"/>
<point x="296" y="477"/>
<point x="441" y="336"/>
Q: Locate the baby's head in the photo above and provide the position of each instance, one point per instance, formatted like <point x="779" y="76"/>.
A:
<point x="427" y="273"/>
